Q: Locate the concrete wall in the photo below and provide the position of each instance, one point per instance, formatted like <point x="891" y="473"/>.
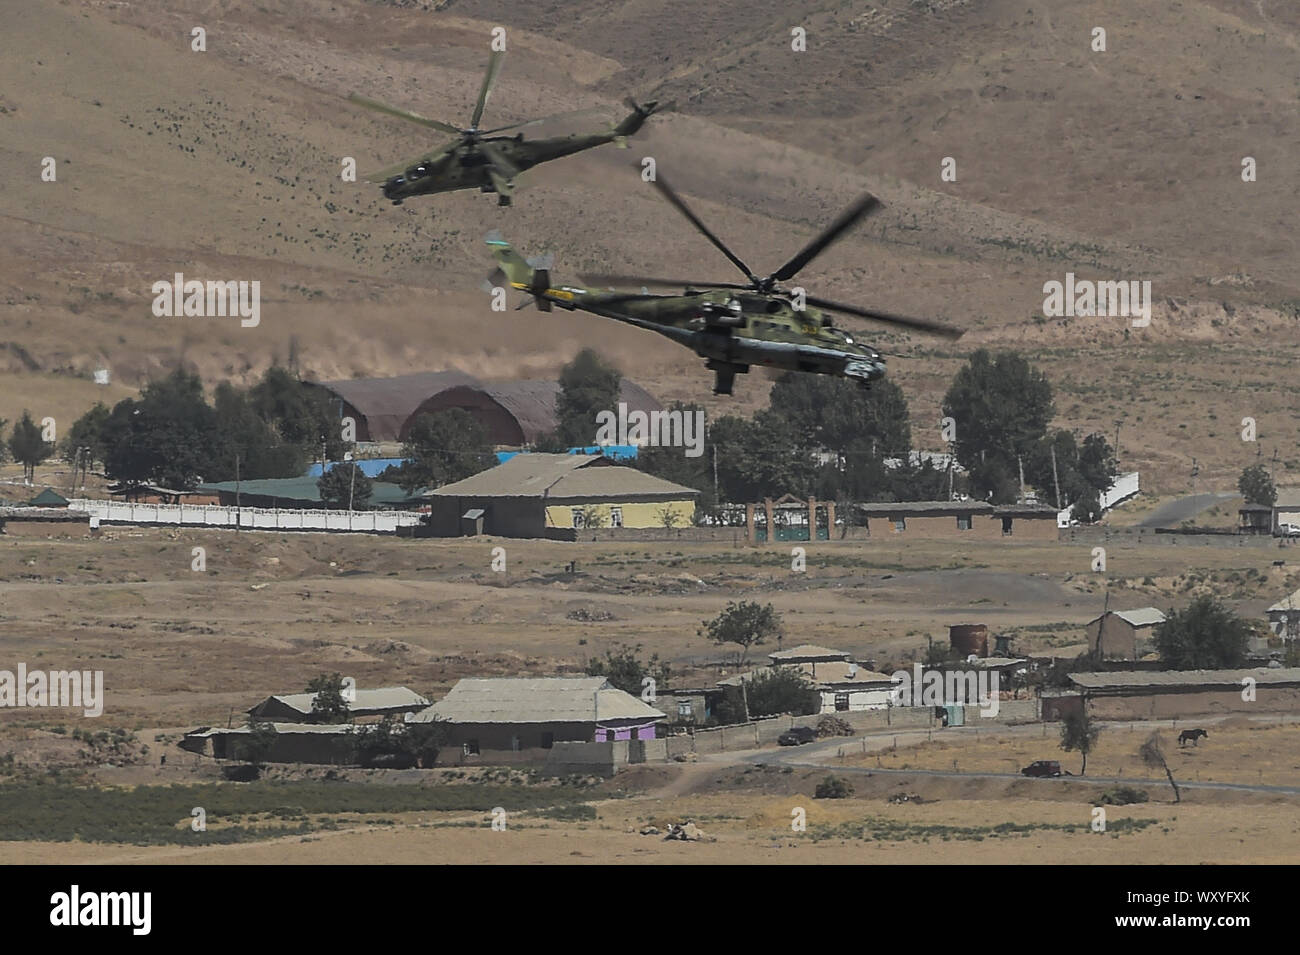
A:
<point x="1201" y="703"/>
<point x="249" y="518"/>
<point x="636" y="514"/>
<point x="985" y="527"/>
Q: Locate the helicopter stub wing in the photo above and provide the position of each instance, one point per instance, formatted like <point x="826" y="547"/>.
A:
<point x="388" y="172"/>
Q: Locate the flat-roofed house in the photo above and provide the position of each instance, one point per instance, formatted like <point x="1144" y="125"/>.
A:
<point x="1117" y="634"/>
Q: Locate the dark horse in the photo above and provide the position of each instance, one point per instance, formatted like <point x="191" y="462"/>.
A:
<point x="1192" y="735"/>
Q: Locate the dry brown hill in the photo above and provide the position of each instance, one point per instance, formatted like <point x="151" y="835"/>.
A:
<point x="1123" y="164"/>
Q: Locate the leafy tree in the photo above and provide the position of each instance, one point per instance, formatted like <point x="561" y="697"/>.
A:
<point x="1002" y="407"/>
<point x="759" y="458"/>
<point x="4" y="450"/>
<point x="441" y="448"/>
<point x="744" y="623"/>
<point x="1079" y="733"/>
<point x="166" y="436"/>
<point x="345" y="486"/>
<point x="1152" y="753"/>
<point x="301" y="414"/>
<point x="838" y="415"/>
<point x="1206" y="635"/>
<point x="550" y="443"/>
<point x="258" y="744"/>
<point x="782" y="690"/>
<point x="1097" y="465"/>
<point x="588" y="385"/>
<point x="87" y="432"/>
<point x="672" y="464"/>
<point x="412" y="744"/>
<point x="242" y="433"/>
<point x="1256" y="486"/>
<point x="28" y="447"/>
<point x="329" y="704"/>
<point x="1086" y="508"/>
<point x="624" y="669"/>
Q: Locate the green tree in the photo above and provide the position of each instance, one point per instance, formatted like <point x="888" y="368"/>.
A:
<point x="329" y="704"/>
<point x="1001" y="406"/>
<point x="242" y="433"/>
<point x="28" y="447"/>
<point x="441" y="448"/>
<point x="745" y="623"/>
<point x="167" y="436"/>
<point x="588" y="385"/>
<point x="760" y="458"/>
<point x="782" y="690"/>
<point x="1205" y="635"/>
<point x="1256" y="486"/>
<point x="87" y="432"/>
<point x="838" y="415"/>
<point x="1086" y="508"/>
<point x="345" y="486"/>
<point x="301" y="414"/>
<point x="1079" y="734"/>
<point x="625" y="670"/>
<point x="1097" y="465"/>
<point x="258" y="744"/>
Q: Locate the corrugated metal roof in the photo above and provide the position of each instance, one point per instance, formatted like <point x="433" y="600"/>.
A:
<point x="1142" y="617"/>
<point x="388" y="402"/>
<point x="561" y="477"/>
<point x="536" y="700"/>
<point x="1288" y="498"/>
<point x="807" y="651"/>
<point x="927" y="507"/>
<point x="1286" y="604"/>
<point x="382" y="698"/>
<point x="303" y="489"/>
<point x="1174" y="678"/>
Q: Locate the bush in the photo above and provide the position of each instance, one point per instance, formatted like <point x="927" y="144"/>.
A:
<point x="832" y="787"/>
<point x="833" y="726"/>
<point x="1123" y="796"/>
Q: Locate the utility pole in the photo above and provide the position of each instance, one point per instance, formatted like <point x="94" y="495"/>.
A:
<point x="715" y="473"/>
<point x="1021" y="464"/>
<point x="1195" y="471"/>
<point x="1055" y="479"/>
<point x="1118" y="421"/>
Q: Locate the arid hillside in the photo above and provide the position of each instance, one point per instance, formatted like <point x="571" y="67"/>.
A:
<point x="1116" y="165"/>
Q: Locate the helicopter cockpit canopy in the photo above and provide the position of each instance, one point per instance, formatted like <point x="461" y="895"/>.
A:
<point x="723" y="313"/>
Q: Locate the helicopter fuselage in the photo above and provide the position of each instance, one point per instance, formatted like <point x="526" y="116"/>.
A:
<point x="733" y="330"/>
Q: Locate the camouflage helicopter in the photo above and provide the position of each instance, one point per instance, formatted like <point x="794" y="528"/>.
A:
<point x="482" y="159"/>
<point x="731" y="325"/>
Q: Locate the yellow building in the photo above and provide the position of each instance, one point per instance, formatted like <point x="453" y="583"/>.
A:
<point x="540" y="495"/>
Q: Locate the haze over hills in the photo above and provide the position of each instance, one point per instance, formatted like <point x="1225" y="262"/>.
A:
<point x="1117" y="165"/>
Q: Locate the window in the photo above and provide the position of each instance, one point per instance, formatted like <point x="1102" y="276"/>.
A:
<point x="470" y="747"/>
<point x="548" y="740"/>
<point x="577" y="517"/>
<point x="1006" y="527"/>
<point x="684" y="709"/>
<point x="616" y="517"/>
<point x="900" y="525"/>
<point x="963" y="522"/>
<point x="841" y="702"/>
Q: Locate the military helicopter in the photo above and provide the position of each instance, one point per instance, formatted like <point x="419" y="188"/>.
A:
<point x="731" y="325"/>
<point x="481" y="158"/>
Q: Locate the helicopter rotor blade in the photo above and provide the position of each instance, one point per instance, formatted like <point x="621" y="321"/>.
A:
<point x="489" y="81"/>
<point x="636" y="281"/>
<point x="544" y="119"/>
<point x="864" y="205"/>
<point x="718" y="244"/>
<point x="498" y="159"/>
<point x="405" y="114"/>
<point x="926" y="325"/>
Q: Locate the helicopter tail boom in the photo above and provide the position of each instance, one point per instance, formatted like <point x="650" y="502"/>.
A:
<point x="518" y="273"/>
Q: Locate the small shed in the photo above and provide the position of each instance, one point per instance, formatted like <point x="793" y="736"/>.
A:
<point x="48" y="498"/>
<point x="471" y="522"/>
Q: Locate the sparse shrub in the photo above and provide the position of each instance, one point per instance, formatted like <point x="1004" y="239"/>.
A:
<point x="833" y="787"/>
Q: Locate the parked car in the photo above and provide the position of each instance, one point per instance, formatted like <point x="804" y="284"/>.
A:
<point x="1288" y="530"/>
<point x="1042" y="767"/>
<point x="797" y="736"/>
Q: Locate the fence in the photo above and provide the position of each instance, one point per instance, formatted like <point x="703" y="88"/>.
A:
<point x="250" y="518"/>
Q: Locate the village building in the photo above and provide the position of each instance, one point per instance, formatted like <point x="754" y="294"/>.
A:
<point x="1123" y="634"/>
<point x="514" y="413"/>
<point x="1255" y="519"/>
<point x="508" y="719"/>
<point x="298" y="707"/>
<point x="1284" y="617"/>
<point x="1176" y="694"/>
<point x="547" y="495"/>
<point x="842" y="685"/>
<point x="1286" y="509"/>
<point x="300" y="492"/>
<point x="956" y="520"/>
